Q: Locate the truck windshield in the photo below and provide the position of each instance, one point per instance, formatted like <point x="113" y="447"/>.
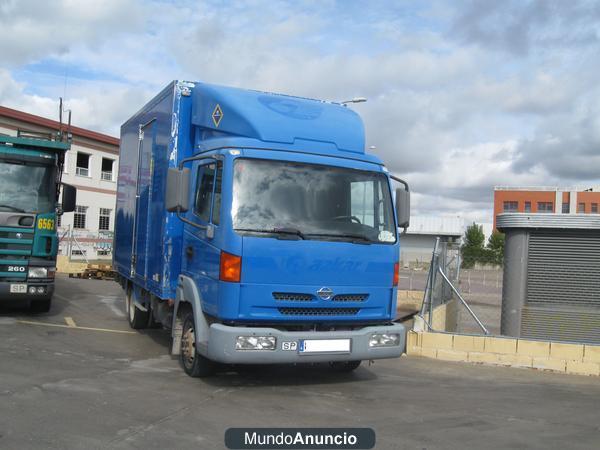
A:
<point x="308" y="201"/>
<point x="27" y="187"/>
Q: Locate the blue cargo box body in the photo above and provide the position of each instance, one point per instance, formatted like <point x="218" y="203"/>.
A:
<point x="182" y="121"/>
<point x="147" y="245"/>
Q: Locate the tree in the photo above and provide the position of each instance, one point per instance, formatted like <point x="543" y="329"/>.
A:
<point x="474" y="236"/>
<point x="496" y="246"/>
<point x="473" y="250"/>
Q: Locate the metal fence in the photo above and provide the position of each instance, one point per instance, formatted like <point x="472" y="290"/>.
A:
<point x="445" y="257"/>
<point x="442" y="282"/>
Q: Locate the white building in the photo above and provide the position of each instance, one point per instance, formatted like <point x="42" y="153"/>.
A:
<point x="92" y="167"/>
<point x="416" y="246"/>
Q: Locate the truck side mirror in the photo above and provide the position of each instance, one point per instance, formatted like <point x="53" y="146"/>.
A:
<point x="178" y="184"/>
<point x="403" y="207"/>
<point x="69" y="198"/>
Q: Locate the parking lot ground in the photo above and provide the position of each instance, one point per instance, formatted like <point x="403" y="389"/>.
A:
<point x="66" y="387"/>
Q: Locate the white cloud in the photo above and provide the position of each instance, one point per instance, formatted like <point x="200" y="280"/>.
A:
<point x="465" y="177"/>
<point x="32" y="29"/>
<point x="454" y="107"/>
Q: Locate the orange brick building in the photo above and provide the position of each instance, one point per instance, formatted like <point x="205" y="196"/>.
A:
<point x="546" y="200"/>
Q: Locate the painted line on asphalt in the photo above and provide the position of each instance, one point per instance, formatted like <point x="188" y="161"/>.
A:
<point x="44" y="324"/>
<point x="70" y="322"/>
<point x="111" y="302"/>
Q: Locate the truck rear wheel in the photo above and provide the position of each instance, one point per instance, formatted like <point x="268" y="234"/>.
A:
<point x="40" y="306"/>
<point x="194" y="364"/>
<point x="137" y="318"/>
<point x="344" y="366"/>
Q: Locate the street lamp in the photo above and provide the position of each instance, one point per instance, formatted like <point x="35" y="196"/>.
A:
<point x="354" y="100"/>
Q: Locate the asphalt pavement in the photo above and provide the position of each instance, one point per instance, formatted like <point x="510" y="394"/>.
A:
<point x="79" y="378"/>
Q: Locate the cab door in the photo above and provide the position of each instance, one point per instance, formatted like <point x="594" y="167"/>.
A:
<point x="201" y="253"/>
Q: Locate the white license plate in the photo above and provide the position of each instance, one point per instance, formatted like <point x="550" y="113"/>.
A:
<point x="325" y="346"/>
<point x="18" y="288"/>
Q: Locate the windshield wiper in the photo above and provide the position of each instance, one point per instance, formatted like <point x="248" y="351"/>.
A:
<point x="357" y="238"/>
<point x="280" y="231"/>
<point x="2" y="205"/>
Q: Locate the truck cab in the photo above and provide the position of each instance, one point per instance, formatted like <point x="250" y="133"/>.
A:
<point x="264" y="234"/>
<point x="30" y="173"/>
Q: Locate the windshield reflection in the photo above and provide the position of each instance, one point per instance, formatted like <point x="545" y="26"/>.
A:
<point x="27" y="188"/>
<point x="311" y="202"/>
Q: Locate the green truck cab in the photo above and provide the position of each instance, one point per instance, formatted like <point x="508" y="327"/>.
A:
<point x="30" y="183"/>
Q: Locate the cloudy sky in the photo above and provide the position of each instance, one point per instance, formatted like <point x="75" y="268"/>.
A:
<point x="463" y="95"/>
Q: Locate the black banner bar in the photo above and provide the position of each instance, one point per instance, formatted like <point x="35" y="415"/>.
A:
<point x="300" y="438"/>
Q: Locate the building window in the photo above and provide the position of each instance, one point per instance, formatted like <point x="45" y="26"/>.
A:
<point x="75" y="252"/>
<point x="79" y="216"/>
<point x="594" y="208"/>
<point x="103" y="252"/>
<point x="544" y="207"/>
<point x="527" y="206"/>
<point x="107" y="169"/>
<point x="83" y="165"/>
<point x="104" y="222"/>
<point x="566" y="208"/>
<point x="511" y="206"/>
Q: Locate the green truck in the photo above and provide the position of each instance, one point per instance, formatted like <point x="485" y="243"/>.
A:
<point x="31" y="168"/>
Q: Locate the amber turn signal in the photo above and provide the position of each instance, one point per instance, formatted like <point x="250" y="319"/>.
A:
<point x="230" y="268"/>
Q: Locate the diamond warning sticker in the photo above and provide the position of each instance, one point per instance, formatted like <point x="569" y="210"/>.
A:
<point x="217" y="115"/>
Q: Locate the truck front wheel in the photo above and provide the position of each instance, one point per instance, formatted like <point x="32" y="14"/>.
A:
<point x="137" y="318"/>
<point x="194" y="364"/>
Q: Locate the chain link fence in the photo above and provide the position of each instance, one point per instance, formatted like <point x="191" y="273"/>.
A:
<point x="481" y="288"/>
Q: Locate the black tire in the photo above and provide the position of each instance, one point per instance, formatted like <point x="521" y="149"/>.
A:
<point x="193" y="363"/>
<point x="40" y="306"/>
<point x="344" y="366"/>
<point x="137" y="318"/>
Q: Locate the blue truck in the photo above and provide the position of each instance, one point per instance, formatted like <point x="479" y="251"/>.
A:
<point x="31" y="167"/>
<point x="255" y="227"/>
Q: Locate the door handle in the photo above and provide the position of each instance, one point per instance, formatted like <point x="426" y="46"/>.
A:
<point x="189" y="251"/>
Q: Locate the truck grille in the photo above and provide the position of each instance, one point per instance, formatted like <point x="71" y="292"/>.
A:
<point x="350" y="297"/>
<point x="297" y="297"/>
<point x="3" y="258"/>
<point x="319" y="311"/>
<point x="10" y="234"/>
<point x="11" y="246"/>
<point x="15" y="248"/>
<point x="291" y="297"/>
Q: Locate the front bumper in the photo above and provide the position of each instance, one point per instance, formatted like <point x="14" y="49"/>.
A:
<point x="222" y="338"/>
<point x="7" y="296"/>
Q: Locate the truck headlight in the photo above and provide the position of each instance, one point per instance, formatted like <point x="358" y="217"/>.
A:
<point x="256" y="343"/>
<point x="38" y="272"/>
<point x="384" y="340"/>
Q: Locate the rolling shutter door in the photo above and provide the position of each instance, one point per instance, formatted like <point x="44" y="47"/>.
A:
<point x="563" y="286"/>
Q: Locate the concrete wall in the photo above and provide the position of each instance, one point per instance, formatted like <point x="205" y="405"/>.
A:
<point x="577" y="359"/>
<point x="409" y="299"/>
<point x="444" y="318"/>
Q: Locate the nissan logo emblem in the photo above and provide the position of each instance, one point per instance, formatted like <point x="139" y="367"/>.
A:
<point x="325" y="293"/>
